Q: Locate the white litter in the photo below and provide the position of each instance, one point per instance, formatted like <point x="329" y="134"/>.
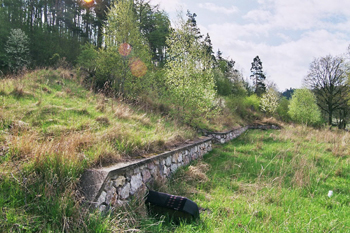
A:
<point x="330" y="193"/>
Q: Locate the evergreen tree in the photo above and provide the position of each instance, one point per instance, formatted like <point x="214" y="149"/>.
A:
<point x="17" y="50"/>
<point x="154" y="26"/>
<point x="258" y="76"/>
<point x="192" y="23"/>
<point x="208" y="47"/>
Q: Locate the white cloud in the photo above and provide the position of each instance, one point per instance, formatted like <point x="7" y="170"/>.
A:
<point x="170" y="6"/>
<point x="258" y="15"/>
<point x="218" y="9"/>
<point x="287" y="35"/>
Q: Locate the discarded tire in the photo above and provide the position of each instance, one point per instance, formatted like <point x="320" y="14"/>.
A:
<point x="176" y="207"/>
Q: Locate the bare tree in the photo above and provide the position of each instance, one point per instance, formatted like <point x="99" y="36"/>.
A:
<point x="327" y="79"/>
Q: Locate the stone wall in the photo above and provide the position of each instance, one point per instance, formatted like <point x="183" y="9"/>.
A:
<point x="227" y="136"/>
<point x="114" y="185"/>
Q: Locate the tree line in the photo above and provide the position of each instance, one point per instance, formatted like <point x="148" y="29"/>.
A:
<point x="129" y="48"/>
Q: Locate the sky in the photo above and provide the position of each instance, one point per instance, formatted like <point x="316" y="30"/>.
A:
<point x="287" y="35"/>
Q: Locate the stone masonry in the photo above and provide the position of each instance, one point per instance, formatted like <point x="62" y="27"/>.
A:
<point x="116" y="184"/>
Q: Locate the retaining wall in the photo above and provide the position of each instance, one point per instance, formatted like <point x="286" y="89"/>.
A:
<point x="114" y="185"/>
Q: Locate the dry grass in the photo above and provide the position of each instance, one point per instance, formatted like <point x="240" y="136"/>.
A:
<point x="197" y="172"/>
<point x="334" y="141"/>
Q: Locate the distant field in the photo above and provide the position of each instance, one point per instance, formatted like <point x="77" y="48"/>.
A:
<point x="268" y="181"/>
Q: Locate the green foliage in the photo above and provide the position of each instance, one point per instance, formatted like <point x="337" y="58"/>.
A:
<point x="155" y="27"/>
<point x="127" y="57"/>
<point x="269" y="101"/>
<point x="253" y="101"/>
<point x="17" y="50"/>
<point x="303" y="107"/>
<point x="282" y="109"/>
<point x="223" y="85"/>
<point x="189" y="74"/>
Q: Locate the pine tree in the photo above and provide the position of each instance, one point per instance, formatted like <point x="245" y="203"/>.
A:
<point x="17" y="50"/>
<point x="258" y="76"/>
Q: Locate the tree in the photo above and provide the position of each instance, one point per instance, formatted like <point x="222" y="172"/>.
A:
<point x="127" y="55"/>
<point x="288" y="93"/>
<point x="269" y="101"/>
<point x="303" y="107"/>
<point x="282" y="109"/>
<point x="155" y="26"/>
<point x="17" y="50"/>
<point x="258" y="76"/>
<point x="189" y="75"/>
<point x="327" y="79"/>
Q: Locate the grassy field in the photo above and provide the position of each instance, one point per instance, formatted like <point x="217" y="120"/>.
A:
<point x="51" y="129"/>
<point x="268" y="181"/>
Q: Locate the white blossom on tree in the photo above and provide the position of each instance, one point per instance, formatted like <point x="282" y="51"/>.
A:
<point x="269" y="101"/>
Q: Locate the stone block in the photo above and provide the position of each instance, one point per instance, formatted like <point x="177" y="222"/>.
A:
<point x="120" y="181"/>
<point x="151" y="165"/>
<point x="166" y="171"/>
<point x="175" y="157"/>
<point x="110" y="194"/>
<point x="135" y="183"/>
<point x="146" y="175"/>
<point x="136" y="170"/>
<point x="179" y="158"/>
<point x="124" y="192"/>
<point x="173" y="167"/>
<point x="168" y="160"/>
<point x="101" y="198"/>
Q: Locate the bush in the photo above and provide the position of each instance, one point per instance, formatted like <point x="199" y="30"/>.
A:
<point x="282" y="109"/>
<point x="303" y="107"/>
<point x="253" y="101"/>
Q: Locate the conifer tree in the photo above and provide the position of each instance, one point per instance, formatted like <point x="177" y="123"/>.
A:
<point x="258" y="76"/>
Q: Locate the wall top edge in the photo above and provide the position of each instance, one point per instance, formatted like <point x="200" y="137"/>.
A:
<point x="123" y="165"/>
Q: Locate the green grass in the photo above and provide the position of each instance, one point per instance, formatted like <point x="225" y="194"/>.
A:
<point x="51" y="129"/>
<point x="268" y="181"/>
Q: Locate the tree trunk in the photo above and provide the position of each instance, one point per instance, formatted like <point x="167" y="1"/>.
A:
<point x="330" y="114"/>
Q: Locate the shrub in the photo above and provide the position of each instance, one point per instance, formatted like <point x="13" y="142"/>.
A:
<point x="303" y="107"/>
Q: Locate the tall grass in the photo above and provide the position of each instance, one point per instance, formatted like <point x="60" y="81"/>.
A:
<point x="270" y="181"/>
<point x="51" y="129"/>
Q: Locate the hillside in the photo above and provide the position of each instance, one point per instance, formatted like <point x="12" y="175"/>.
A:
<point x="52" y="128"/>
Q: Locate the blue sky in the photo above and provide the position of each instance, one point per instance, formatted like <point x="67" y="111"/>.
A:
<point x="286" y="34"/>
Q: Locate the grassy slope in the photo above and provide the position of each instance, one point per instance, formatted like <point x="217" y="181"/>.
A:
<point x="269" y="181"/>
<point x="51" y="128"/>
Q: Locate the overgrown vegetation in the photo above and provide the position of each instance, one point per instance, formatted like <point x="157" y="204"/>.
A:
<point x="142" y="87"/>
<point x="52" y="128"/>
<point x="268" y="181"/>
